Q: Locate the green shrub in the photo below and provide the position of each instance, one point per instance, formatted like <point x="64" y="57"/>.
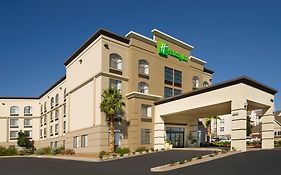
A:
<point x="101" y="154"/>
<point x="141" y="149"/>
<point x="122" y="150"/>
<point x="11" y="151"/>
<point x="25" y="152"/>
<point x="59" y="150"/>
<point x="152" y="149"/>
<point x="43" y="151"/>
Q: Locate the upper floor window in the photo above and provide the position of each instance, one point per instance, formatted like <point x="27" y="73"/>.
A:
<point x="145" y="110"/>
<point x="143" y="67"/>
<point x="14" y="111"/>
<point x="195" y="82"/>
<point x="177" y="92"/>
<point x="177" y="78"/>
<point x="115" y="84"/>
<point x="143" y="87"/>
<point x="41" y="108"/>
<point x="28" y="110"/>
<point x="64" y="92"/>
<point x="168" y="92"/>
<point x="52" y="102"/>
<point x="115" y="61"/>
<point x="168" y="75"/>
<point x="57" y="99"/>
<point x="45" y="106"/>
<point x="205" y="84"/>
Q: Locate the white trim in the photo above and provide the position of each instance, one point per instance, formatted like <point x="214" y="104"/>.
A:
<point x="197" y="59"/>
<point x="140" y="35"/>
<point x="169" y="36"/>
<point x="135" y="94"/>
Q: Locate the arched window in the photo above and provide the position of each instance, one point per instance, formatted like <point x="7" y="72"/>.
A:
<point x="195" y="82"/>
<point x="52" y="102"/>
<point x="205" y="84"/>
<point x="115" y="61"/>
<point x="143" y="87"/>
<point x="143" y="67"/>
<point x="14" y="110"/>
<point x="57" y="99"/>
<point x="27" y="110"/>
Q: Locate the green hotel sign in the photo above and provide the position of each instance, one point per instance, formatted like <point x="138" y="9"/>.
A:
<point x="164" y="50"/>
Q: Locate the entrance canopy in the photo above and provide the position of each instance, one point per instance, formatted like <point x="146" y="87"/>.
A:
<point x="236" y="97"/>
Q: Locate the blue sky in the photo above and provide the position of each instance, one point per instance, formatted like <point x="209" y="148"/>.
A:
<point x="235" y="37"/>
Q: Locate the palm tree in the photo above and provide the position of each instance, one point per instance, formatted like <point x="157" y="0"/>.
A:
<point x="112" y="102"/>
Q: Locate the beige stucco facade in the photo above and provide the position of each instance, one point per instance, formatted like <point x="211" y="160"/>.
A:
<point x="76" y="122"/>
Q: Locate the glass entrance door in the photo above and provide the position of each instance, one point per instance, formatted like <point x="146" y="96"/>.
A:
<point x="176" y="136"/>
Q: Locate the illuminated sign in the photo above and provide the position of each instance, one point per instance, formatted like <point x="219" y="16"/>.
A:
<point x="164" y="50"/>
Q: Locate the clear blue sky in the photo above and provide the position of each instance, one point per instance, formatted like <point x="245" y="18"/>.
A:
<point x="235" y="38"/>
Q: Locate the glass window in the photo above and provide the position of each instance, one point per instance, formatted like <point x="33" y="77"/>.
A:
<point x="195" y="83"/>
<point x="178" y="77"/>
<point x="27" y="122"/>
<point x="27" y="110"/>
<point x="75" y="142"/>
<point x="28" y="133"/>
<point x="143" y="67"/>
<point x="14" y="110"/>
<point x="13" y="134"/>
<point x="64" y="92"/>
<point x="45" y="132"/>
<point x="168" y="75"/>
<point x="145" y="136"/>
<point x="143" y="87"/>
<point x="168" y="92"/>
<point x="64" y="109"/>
<point x="56" y="144"/>
<point x="45" y="119"/>
<point x="14" y="122"/>
<point x="56" y="128"/>
<point x="115" y="84"/>
<point x="41" y="108"/>
<point x="84" y="140"/>
<point x="221" y="128"/>
<point x="145" y="110"/>
<point x="222" y="121"/>
<point x="45" y="106"/>
<point x="64" y="126"/>
<point x="52" y="145"/>
<point x="205" y="84"/>
<point x="41" y="132"/>
<point x="51" y="129"/>
<point x="51" y="116"/>
<point x="115" y="61"/>
<point x="57" y="99"/>
<point x="56" y="114"/>
<point x="177" y="92"/>
<point x="52" y="102"/>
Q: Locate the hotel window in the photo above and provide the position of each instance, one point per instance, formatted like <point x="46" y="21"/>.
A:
<point x="205" y="84"/>
<point x="57" y="99"/>
<point x="168" y="92"/>
<point x="56" y="129"/>
<point x="64" y="126"/>
<point x="115" y="84"/>
<point x="75" y="142"/>
<point x="64" y="110"/>
<point x="45" y="106"/>
<point x="28" y="111"/>
<point x="56" y="114"/>
<point x="168" y="76"/>
<point x="52" y="102"/>
<point x="222" y="121"/>
<point x="143" y="87"/>
<point x="143" y="67"/>
<point x="45" y="119"/>
<point x="51" y="130"/>
<point x="41" y="120"/>
<point x="221" y="128"/>
<point x="14" y="123"/>
<point x="145" y="136"/>
<point x="64" y="94"/>
<point x="14" y="111"/>
<point x="41" y="108"/>
<point x="145" y="110"/>
<point x="28" y="133"/>
<point x="27" y="123"/>
<point x="195" y="82"/>
<point x="41" y="133"/>
<point x="56" y="144"/>
<point x="45" y="132"/>
<point x="51" y="116"/>
<point x="177" y="92"/>
<point x="115" y="61"/>
<point x="177" y="78"/>
<point x="13" y="135"/>
<point x="84" y="140"/>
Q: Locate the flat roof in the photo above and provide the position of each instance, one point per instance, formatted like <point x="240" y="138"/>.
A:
<point x="243" y="79"/>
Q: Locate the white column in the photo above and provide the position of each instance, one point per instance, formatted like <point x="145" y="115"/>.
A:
<point x="238" y="126"/>
<point x="267" y="121"/>
<point x="159" y="132"/>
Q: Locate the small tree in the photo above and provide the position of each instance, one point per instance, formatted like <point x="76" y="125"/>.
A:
<point x="23" y="140"/>
<point x="208" y="125"/>
<point x="112" y="102"/>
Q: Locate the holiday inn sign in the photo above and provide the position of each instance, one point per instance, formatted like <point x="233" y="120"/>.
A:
<point x="164" y="50"/>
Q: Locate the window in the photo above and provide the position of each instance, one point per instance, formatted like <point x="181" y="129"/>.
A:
<point x="41" y="108"/>
<point x="56" y="129"/>
<point x="64" y="110"/>
<point x="13" y="134"/>
<point x="168" y="92"/>
<point x="56" y="114"/>
<point x="115" y="61"/>
<point x="168" y="75"/>
<point x="52" y="145"/>
<point x="178" y="78"/>
<point x="51" y="116"/>
<point x="64" y="126"/>
<point x="45" y="132"/>
<point x="222" y="121"/>
<point x="57" y="99"/>
<point x="75" y="142"/>
<point x="14" y="123"/>
<point x="14" y="111"/>
<point x="56" y="144"/>
<point x="84" y="140"/>
<point x="143" y="67"/>
<point x="195" y="83"/>
<point x="145" y="110"/>
<point x="177" y="92"/>
<point x="115" y="84"/>
<point x="41" y="133"/>
<point x="45" y="119"/>
<point x="28" y="110"/>
<point x="143" y="87"/>
<point x="52" y="102"/>
<point x="221" y="128"/>
<point x="145" y="136"/>
<point x="45" y="106"/>
<point x="205" y="84"/>
<point x="41" y="120"/>
<point x="64" y="92"/>
<point x="27" y="122"/>
<point x="51" y="130"/>
<point x="28" y="133"/>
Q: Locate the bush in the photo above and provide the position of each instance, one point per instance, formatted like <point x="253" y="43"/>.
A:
<point x="59" y="150"/>
<point x="122" y="150"/>
<point x="152" y="149"/>
<point x="43" y="151"/>
<point x="11" y="151"/>
<point x="141" y="149"/>
<point x="25" y="152"/>
<point x="101" y="154"/>
<point x="69" y="152"/>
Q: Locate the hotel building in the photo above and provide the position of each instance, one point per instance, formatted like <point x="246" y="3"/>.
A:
<point x="166" y="90"/>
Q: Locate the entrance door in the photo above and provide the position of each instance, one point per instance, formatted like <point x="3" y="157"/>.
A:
<point x="176" y="136"/>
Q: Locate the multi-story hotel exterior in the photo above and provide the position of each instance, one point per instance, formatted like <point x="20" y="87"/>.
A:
<point x="148" y="72"/>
